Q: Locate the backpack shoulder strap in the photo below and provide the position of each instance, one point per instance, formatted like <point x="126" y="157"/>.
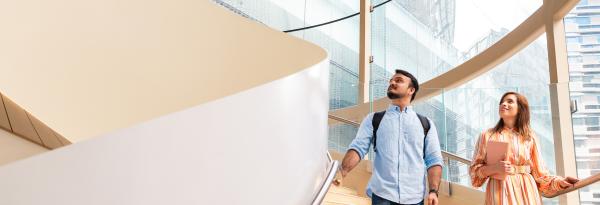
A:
<point x="376" y="121"/>
<point x="424" y="123"/>
<point x="426" y="126"/>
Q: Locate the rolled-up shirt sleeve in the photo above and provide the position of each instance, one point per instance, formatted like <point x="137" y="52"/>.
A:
<point x="364" y="136"/>
<point x="433" y="153"/>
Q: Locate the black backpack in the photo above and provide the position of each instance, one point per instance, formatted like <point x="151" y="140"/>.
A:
<point x="377" y="120"/>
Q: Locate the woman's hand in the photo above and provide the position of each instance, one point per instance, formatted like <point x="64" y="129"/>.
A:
<point x="567" y="182"/>
<point x="500" y="170"/>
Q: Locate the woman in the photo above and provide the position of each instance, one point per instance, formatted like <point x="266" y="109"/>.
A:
<point x="517" y="179"/>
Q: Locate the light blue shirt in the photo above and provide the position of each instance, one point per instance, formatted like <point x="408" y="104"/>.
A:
<point x="399" y="168"/>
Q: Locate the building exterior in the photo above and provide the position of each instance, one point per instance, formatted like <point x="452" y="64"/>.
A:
<point x="583" y="46"/>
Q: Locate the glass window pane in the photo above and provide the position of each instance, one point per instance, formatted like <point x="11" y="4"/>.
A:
<point x="428" y="38"/>
<point x="275" y="14"/>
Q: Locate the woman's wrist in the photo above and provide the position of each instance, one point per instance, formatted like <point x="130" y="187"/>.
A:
<point x="485" y="171"/>
<point x="482" y="172"/>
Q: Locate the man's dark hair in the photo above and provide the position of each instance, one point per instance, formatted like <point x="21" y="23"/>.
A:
<point x="413" y="81"/>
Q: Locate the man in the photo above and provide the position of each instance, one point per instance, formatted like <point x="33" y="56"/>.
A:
<point x="402" y="150"/>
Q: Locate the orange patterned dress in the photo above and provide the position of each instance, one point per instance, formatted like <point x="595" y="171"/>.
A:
<point x="528" y="177"/>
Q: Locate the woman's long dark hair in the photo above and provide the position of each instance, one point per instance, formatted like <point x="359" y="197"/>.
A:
<point x="523" y="116"/>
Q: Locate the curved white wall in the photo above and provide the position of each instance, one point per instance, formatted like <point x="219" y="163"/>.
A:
<point x="86" y="68"/>
<point x="266" y="145"/>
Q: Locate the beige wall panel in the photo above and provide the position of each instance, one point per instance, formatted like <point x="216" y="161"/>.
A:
<point x="13" y="148"/>
<point x="62" y="139"/>
<point x="46" y="134"/>
<point x="4" y="123"/>
<point x="19" y="121"/>
<point x="560" y="101"/>
<point x="85" y="73"/>
<point x="364" y="52"/>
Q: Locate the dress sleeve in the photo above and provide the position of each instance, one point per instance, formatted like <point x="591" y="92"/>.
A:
<point x="547" y="184"/>
<point x="477" y="178"/>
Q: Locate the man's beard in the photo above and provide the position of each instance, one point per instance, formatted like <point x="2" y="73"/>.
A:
<point x="393" y="96"/>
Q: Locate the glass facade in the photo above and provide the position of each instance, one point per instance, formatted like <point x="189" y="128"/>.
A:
<point x="583" y="46"/>
<point x="428" y="38"/>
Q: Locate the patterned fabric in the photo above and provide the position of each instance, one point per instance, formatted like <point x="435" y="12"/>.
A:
<point x="529" y="175"/>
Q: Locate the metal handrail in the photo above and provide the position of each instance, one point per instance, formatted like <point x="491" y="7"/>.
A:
<point x="344" y="120"/>
<point x="456" y="158"/>
<point x="330" y="176"/>
<point x="582" y="183"/>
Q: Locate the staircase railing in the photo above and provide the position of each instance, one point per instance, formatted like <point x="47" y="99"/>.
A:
<point x="446" y="187"/>
<point x="450" y="156"/>
<point x="334" y="166"/>
<point x="580" y="184"/>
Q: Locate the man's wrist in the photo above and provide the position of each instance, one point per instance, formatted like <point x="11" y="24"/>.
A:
<point x="435" y="191"/>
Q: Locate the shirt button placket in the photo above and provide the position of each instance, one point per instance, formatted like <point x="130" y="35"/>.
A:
<point x="399" y="151"/>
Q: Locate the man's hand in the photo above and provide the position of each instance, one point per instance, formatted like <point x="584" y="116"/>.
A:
<point x="337" y="182"/>
<point x="351" y="159"/>
<point x="432" y="199"/>
<point x="339" y="177"/>
<point x="434" y="177"/>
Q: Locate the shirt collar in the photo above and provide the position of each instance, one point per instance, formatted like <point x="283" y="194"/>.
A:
<point x="395" y="108"/>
